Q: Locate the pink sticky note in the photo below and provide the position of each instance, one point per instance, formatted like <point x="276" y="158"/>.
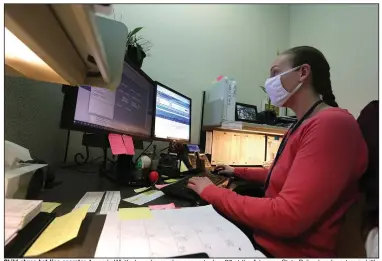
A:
<point x="161" y="186"/>
<point x="116" y="144"/>
<point x="160" y="207"/>
<point x="129" y="145"/>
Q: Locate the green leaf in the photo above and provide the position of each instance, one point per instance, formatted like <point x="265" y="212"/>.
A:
<point x="263" y="88"/>
<point x="136" y="30"/>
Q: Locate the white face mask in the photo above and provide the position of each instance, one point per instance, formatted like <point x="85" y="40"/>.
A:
<point x="276" y="90"/>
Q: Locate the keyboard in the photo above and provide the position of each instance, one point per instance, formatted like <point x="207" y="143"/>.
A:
<point x="180" y="190"/>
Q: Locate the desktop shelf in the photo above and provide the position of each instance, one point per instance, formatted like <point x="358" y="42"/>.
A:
<point x="245" y="127"/>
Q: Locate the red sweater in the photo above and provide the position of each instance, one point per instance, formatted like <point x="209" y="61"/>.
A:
<point x="312" y="185"/>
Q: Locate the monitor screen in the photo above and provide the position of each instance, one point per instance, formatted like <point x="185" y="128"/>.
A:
<point x="172" y="115"/>
<point x="128" y="109"/>
<point x="193" y="148"/>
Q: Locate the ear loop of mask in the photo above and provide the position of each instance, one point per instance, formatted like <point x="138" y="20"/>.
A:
<point x="291" y="70"/>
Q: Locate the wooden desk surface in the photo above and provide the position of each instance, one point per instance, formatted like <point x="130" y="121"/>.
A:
<point x="74" y="185"/>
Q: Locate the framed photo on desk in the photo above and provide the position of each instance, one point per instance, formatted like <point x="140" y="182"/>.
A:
<point x="245" y="112"/>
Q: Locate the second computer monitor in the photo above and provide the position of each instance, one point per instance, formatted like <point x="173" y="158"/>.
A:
<point x="172" y="115"/>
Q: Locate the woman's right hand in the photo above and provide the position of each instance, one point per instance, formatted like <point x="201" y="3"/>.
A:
<point x="225" y="170"/>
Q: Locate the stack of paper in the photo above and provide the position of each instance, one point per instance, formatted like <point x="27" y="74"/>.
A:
<point x="9" y="234"/>
<point x="17" y="214"/>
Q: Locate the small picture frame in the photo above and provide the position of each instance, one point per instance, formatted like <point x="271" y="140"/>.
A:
<point x="246" y="112"/>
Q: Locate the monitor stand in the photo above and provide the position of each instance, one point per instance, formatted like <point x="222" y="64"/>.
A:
<point x="124" y="172"/>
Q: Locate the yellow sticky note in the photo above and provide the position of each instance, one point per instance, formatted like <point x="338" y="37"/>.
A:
<point x="48" y="207"/>
<point x="170" y="180"/>
<point x="61" y="230"/>
<point x="140" y="189"/>
<point x="134" y="213"/>
<point x="183" y="167"/>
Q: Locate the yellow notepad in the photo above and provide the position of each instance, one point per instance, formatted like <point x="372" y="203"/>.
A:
<point x="48" y="207"/>
<point x="170" y="180"/>
<point x="141" y="189"/>
<point x="61" y="230"/>
<point x="134" y="213"/>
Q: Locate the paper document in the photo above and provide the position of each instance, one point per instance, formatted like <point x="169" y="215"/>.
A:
<point x="171" y="180"/>
<point x="134" y="213"/>
<point x="144" y="197"/>
<point x="14" y="153"/>
<point x="161" y="207"/>
<point x="15" y="172"/>
<point x="174" y="232"/>
<point x="61" y="230"/>
<point x="48" y="207"/>
<point x="110" y="202"/>
<point x="140" y="189"/>
<point x="90" y="198"/>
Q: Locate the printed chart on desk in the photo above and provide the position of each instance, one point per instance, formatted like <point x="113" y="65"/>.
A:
<point x="174" y="232"/>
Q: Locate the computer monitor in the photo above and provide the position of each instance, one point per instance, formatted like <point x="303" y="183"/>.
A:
<point x="172" y="115"/>
<point x="127" y="110"/>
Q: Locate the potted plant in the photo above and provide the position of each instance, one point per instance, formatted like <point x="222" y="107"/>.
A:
<point x="268" y="106"/>
<point x="137" y="47"/>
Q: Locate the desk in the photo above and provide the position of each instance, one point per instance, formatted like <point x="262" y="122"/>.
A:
<point x="74" y="185"/>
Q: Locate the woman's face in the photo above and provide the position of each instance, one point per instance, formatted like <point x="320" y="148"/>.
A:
<point x="292" y="79"/>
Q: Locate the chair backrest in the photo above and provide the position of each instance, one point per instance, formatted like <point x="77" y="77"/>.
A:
<point x="368" y="121"/>
<point x="351" y="243"/>
<point x="363" y="214"/>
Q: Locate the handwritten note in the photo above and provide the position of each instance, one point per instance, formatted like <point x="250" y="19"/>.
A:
<point x="134" y="213"/>
<point x="116" y="144"/>
<point x="48" y="207"/>
<point x="161" y="207"/>
<point x="129" y="145"/>
<point x="61" y="230"/>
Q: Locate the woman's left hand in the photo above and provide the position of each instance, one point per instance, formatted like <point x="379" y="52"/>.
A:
<point x="198" y="184"/>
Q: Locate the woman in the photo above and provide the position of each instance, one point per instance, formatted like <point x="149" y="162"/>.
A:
<point x="313" y="179"/>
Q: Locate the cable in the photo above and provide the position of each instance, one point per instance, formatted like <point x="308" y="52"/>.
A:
<point x="164" y="149"/>
<point x="67" y="146"/>
<point x="79" y="155"/>
<point x="81" y="164"/>
<point x="140" y="155"/>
